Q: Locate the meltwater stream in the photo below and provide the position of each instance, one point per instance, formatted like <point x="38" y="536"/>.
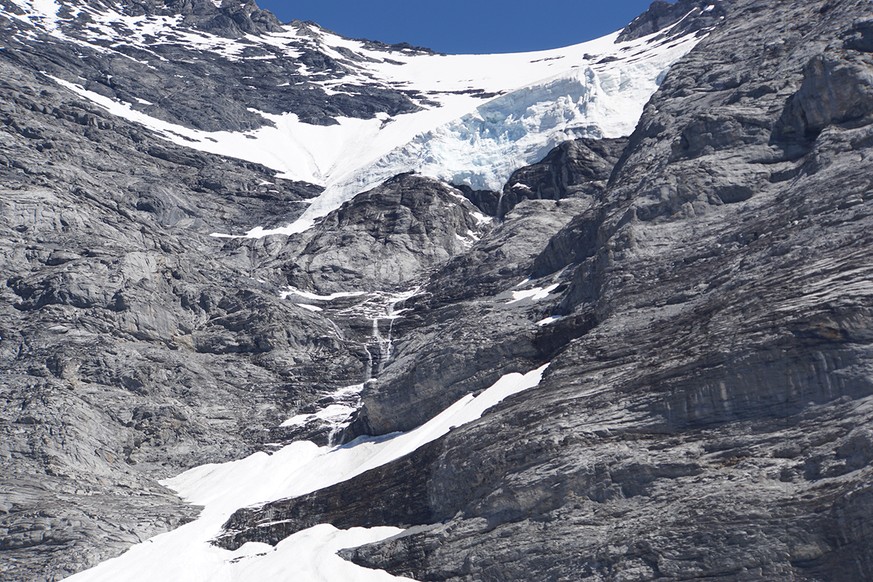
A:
<point x="186" y="554"/>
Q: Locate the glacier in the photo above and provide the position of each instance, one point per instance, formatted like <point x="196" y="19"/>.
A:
<point x="479" y="117"/>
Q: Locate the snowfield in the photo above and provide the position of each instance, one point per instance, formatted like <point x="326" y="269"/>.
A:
<point x="185" y="554"/>
<point x="481" y="116"/>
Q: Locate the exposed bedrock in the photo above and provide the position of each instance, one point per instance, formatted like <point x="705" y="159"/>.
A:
<point x="387" y="238"/>
<point x="132" y="344"/>
<point x="189" y="77"/>
<point x="466" y="329"/>
<point x="702" y="291"/>
<point x="676" y="18"/>
<point x="709" y="419"/>
<point x="577" y="168"/>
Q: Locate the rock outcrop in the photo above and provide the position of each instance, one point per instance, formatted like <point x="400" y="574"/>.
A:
<point x="386" y="238"/>
<point x="579" y="168"/>
<point x="704" y="414"/>
<point x="675" y="18"/>
<point x="132" y="344"/>
<point x="189" y="68"/>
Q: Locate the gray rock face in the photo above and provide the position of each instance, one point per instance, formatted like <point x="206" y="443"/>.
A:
<point x="183" y="73"/>
<point x="132" y="344"/>
<point x="465" y="330"/>
<point x="701" y="291"/>
<point x="706" y="408"/>
<point x="135" y="346"/>
<point x="232" y="19"/>
<point x="676" y="18"/>
<point x="577" y="168"/>
<point x="837" y="88"/>
<point x="394" y="494"/>
<point x="386" y="238"/>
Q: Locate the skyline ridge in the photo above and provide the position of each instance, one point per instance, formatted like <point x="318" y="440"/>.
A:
<point x="456" y="27"/>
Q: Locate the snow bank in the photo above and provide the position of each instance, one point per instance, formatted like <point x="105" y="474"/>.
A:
<point x="531" y="295"/>
<point x="185" y="555"/>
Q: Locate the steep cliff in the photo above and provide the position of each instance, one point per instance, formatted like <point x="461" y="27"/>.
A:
<point x="700" y="291"/>
<point x="706" y="413"/>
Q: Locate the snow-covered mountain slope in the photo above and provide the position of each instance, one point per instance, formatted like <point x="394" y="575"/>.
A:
<point x="465" y="119"/>
<point x="186" y="554"/>
<point x="701" y="290"/>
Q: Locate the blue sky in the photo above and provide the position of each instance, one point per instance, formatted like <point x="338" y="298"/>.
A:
<point x="466" y="26"/>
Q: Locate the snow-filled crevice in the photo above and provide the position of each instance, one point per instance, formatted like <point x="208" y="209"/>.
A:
<point x="186" y="554"/>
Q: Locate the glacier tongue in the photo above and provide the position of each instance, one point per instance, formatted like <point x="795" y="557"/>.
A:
<point x="597" y="96"/>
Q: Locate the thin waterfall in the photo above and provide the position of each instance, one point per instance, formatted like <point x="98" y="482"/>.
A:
<point x="499" y="204"/>
<point x="368" y="372"/>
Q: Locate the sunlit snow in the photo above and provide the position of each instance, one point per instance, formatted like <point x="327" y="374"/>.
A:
<point x="48" y="10"/>
<point x="185" y="554"/>
<point x="294" y="292"/>
<point x="531" y="295"/>
<point x="333" y="413"/>
<point x="480" y="118"/>
<point x="549" y="320"/>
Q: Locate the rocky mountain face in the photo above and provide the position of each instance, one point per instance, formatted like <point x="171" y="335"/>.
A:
<point x="706" y="410"/>
<point x="130" y="348"/>
<point x="700" y="289"/>
<point x="183" y="61"/>
<point x="385" y="238"/>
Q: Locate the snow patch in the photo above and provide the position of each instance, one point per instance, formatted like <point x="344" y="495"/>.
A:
<point x="532" y="295"/>
<point x="294" y="292"/>
<point x="185" y="554"/>
<point x="332" y="413"/>
<point x="48" y="9"/>
<point x="549" y="320"/>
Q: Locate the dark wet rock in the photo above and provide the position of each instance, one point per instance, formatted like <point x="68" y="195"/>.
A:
<point x="576" y="168"/>
<point x="860" y="36"/>
<point x="484" y="200"/>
